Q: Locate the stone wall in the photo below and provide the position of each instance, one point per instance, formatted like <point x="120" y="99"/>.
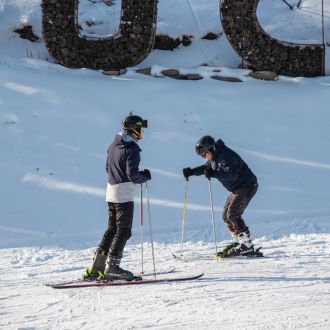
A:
<point x="254" y="45"/>
<point x="129" y="46"/>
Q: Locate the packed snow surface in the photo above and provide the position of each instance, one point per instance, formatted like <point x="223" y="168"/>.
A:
<point x="56" y="125"/>
<point x="288" y="289"/>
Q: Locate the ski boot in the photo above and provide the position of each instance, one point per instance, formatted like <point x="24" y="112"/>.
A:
<point x="244" y="251"/>
<point x="240" y="250"/>
<point x="223" y="253"/>
<point x="98" y="266"/>
<point x="113" y="272"/>
<point x="244" y="248"/>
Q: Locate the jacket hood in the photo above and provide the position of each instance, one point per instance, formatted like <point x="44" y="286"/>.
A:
<point x="123" y="140"/>
<point x="219" y="145"/>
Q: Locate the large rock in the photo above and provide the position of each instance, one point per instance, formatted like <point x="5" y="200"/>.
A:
<point x="164" y="42"/>
<point x="170" y="73"/>
<point x="264" y="75"/>
<point x="26" y="32"/>
<point x="229" y="79"/>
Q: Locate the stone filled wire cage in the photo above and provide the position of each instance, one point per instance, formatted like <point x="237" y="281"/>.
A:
<point x="129" y="46"/>
<point x="255" y="46"/>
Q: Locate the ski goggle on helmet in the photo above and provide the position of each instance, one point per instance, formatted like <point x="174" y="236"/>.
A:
<point x="204" y="144"/>
<point x="135" y="124"/>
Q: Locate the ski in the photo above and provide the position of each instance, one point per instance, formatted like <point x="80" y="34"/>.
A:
<point x="189" y="258"/>
<point x="86" y="284"/>
<point x="83" y="280"/>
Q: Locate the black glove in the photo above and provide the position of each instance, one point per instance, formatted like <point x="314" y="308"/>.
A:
<point x="187" y="172"/>
<point x="147" y="174"/>
<point x="208" y="173"/>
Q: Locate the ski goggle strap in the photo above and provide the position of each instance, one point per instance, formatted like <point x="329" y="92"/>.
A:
<point x="138" y="132"/>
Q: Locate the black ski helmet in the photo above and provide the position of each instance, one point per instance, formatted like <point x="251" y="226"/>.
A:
<point x="205" y="143"/>
<point x="133" y="123"/>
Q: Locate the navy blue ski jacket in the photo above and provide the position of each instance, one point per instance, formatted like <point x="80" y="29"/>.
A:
<point x="229" y="168"/>
<point x="123" y="162"/>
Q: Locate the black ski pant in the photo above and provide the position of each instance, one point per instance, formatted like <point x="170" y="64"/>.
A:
<point x="119" y="228"/>
<point x="236" y="204"/>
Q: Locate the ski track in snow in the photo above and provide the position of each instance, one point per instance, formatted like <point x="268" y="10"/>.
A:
<point x="54" y="184"/>
<point x="287" y="159"/>
<point x="288" y="289"/>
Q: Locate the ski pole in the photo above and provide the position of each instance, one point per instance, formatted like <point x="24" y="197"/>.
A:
<point x="213" y="222"/>
<point x="184" y="214"/>
<point x="150" y="228"/>
<point x="141" y="227"/>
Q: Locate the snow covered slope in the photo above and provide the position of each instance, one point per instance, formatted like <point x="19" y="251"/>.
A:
<point x="56" y="125"/>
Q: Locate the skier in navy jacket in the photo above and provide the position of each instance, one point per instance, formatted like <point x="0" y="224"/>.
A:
<point x="230" y="169"/>
<point x="122" y="167"/>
